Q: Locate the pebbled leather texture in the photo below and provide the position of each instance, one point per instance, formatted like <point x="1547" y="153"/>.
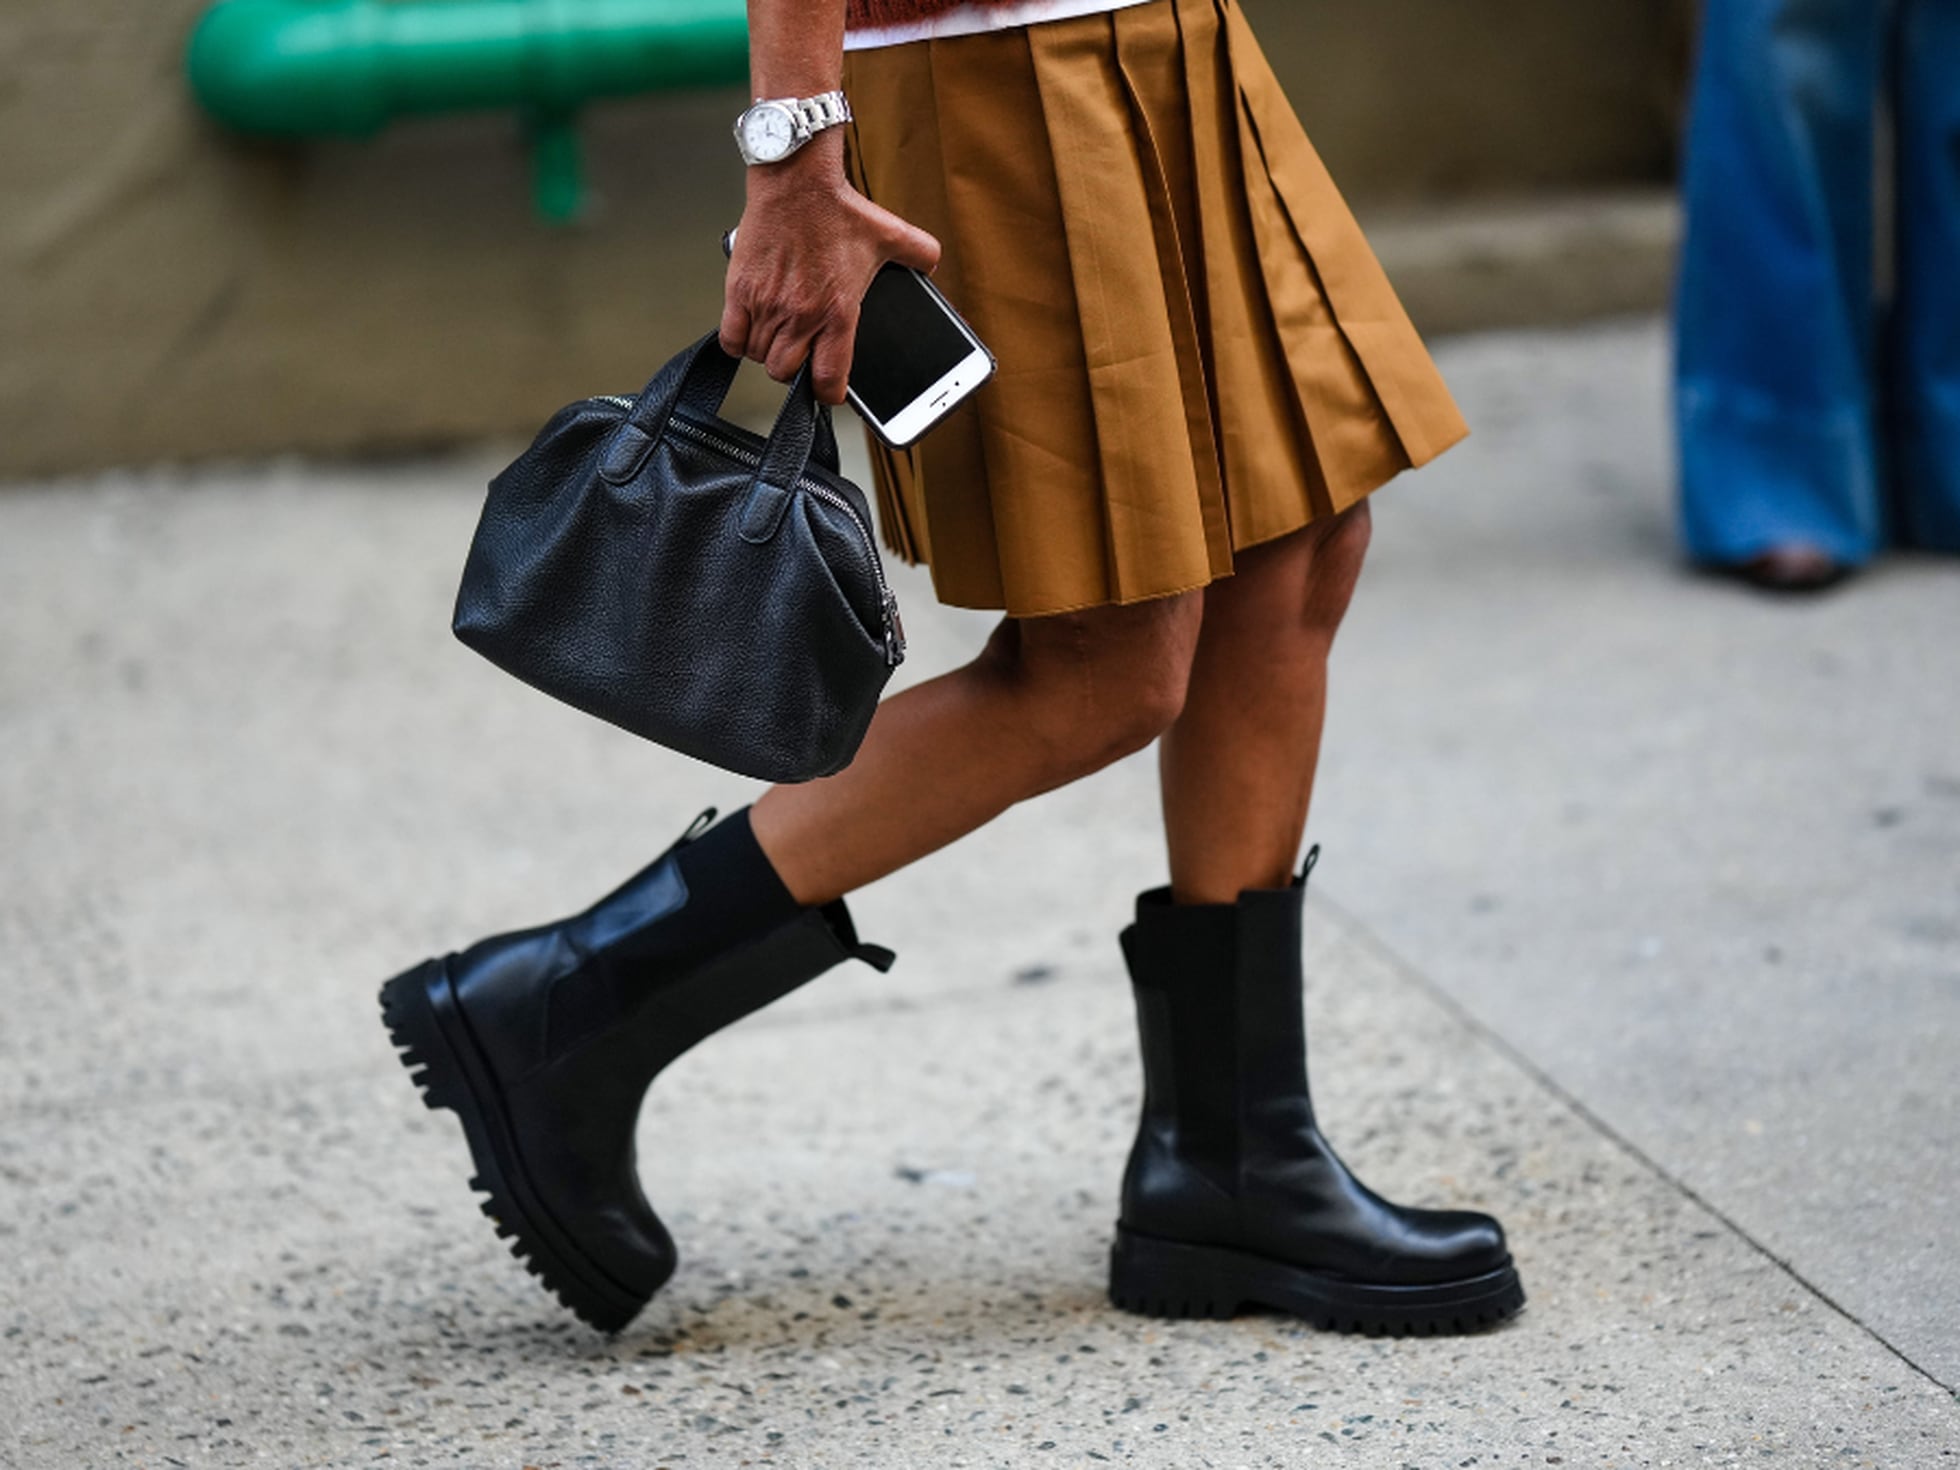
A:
<point x="577" y="1018"/>
<point x="1229" y="1152"/>
<point x="678" y="576"/>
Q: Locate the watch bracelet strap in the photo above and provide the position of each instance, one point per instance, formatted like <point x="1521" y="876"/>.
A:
<point x="825" y="110"/>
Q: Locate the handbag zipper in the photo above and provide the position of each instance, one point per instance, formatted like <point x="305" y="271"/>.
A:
<point x="894" y="627"/>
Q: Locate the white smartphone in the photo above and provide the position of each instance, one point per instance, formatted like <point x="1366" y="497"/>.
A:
<point x="915" y="360"/>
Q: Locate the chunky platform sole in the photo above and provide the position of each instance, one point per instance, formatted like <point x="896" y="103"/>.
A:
<point x="1166" y="1278"/>
<point x="433" y="1036"/>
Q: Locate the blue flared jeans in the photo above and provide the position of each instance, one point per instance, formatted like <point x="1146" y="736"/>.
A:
<point x="1802" y="416"/>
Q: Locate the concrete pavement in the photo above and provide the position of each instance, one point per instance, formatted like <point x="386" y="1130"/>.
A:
<point x="1694" y="851"/>
<point x="1575" y="798"/>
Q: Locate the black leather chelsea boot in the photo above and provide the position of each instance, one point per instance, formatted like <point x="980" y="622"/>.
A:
<point x="544" y="1042"/>
<point x="1232" y="1197"/>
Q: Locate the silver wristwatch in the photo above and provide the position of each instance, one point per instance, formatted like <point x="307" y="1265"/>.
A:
<point x="775" y="128"/>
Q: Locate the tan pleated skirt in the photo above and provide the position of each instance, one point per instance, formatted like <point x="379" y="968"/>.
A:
<point x="1198" y="351"/>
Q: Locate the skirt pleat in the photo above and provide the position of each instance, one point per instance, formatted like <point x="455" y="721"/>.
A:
<point x="1165" y="154"/>
<point x="1155" y="524"/>
<point x="1320" y="234"/>
<point x="1272" y="475"/>
<point x="1197" y="350"/>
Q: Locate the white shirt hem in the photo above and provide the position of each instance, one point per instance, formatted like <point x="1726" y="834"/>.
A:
<point x="969" y="20"/>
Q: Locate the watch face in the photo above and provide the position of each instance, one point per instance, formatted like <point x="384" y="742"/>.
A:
<point x="769" y="132"/>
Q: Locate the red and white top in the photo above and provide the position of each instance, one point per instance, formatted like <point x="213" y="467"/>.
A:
<point x="895" y="22"/>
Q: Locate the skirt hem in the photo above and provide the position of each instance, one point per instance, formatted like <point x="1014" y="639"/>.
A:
<point x="1133" y="599"/>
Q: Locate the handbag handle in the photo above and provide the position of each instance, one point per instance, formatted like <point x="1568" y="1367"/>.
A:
<point x="803" y="430"/>
<point x="700" y="378"/>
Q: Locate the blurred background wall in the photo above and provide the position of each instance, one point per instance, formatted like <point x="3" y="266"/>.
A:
<point x="168" y="292"/>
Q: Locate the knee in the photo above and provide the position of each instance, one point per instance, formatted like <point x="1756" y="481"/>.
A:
<point x="1126" y="714"/>
<point x="1338" y="555"/>
<point x="1344" y="548"/>
<point x="1098" y="687"/>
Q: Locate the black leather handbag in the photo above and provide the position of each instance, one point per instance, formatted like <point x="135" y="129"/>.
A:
<point x="713" y="591"/>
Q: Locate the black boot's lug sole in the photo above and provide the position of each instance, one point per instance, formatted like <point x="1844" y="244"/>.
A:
<point x="1168" y="1278"/>
<point x="419" y="1008"/>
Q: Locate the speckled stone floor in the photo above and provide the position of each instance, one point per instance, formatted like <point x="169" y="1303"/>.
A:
<point x="246" y="777"/>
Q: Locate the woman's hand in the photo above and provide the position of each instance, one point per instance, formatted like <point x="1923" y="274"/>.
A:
<point x="808" y="248"/>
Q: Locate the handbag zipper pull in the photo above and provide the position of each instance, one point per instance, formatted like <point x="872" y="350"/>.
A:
<point x="894" y="631"/>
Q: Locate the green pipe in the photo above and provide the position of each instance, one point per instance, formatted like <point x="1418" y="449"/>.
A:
<point x="312" y="68"/>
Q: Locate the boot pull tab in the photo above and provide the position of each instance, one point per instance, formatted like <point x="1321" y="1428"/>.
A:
<point x="1307" y="867"/>
<point x="843" y="929"/>
<point x="875" y="955"/>
<point x="695" y="828"/>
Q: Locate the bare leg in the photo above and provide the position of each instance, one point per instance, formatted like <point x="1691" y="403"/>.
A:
<point x="1048" y="700"/>
<point x="1237" y="768"/>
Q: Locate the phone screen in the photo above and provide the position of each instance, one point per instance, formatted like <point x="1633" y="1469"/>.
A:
<point x="905" y="343"/>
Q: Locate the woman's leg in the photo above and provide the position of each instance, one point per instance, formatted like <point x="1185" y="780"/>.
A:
<point x="544" y="1041"/>
<point x="1232" y="1195"/>
<point x="1773" y="313"/>
<point x="1049" y="700"/>
<point x="1237" y="767"/>
<point x="1926" y="317"/>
